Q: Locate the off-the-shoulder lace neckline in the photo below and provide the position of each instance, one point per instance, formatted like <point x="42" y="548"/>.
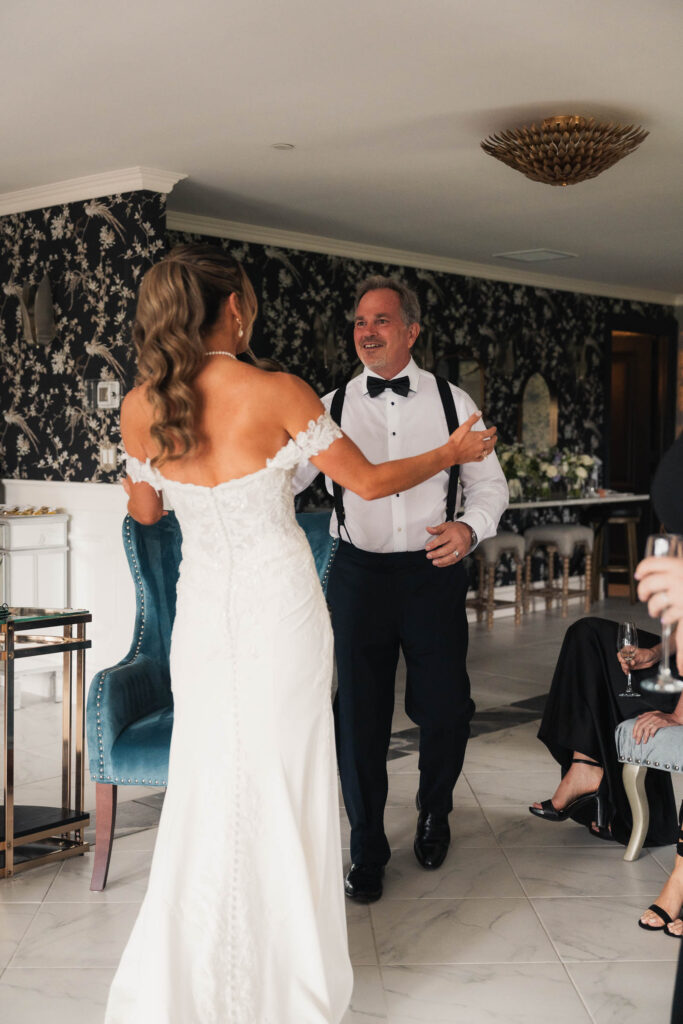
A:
<point x="200" y="487"/>
<point x="293" y="442"/>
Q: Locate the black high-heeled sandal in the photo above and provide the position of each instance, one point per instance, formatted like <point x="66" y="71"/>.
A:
<point x="550" y="813"/>
<point x="658" y="910"/>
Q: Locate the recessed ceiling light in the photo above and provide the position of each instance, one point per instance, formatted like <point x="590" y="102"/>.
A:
<point x="536" y="255"/>
<point x="282" y="145"/>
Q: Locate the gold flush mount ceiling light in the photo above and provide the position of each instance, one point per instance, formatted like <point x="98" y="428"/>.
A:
<point x="565" y="149"/>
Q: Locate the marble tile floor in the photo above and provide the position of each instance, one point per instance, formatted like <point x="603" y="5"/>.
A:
<point x="525" y="922"/>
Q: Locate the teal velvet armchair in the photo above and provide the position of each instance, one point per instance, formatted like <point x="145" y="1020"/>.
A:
<point x="129" y="715"/>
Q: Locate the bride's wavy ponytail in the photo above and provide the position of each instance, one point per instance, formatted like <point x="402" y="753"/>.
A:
<point x="179" y="303"/>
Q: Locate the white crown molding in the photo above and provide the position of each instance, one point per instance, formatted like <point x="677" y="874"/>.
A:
<point x="218" y="228"/>
<point x="92" y="186"/>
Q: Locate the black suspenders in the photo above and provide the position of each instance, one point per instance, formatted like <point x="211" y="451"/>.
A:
<point x="337" y="492"/>
<point x="452" y="422"/>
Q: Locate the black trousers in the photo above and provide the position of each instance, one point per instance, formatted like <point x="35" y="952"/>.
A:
<point x="381" y="604"/>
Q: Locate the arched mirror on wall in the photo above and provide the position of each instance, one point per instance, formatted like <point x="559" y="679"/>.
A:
<point x="538" y="415"/>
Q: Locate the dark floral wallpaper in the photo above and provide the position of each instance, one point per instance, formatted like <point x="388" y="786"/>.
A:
<point x="305" y="321"/>
<point x="95" y="253"/>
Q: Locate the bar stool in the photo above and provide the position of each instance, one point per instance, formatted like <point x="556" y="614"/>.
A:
<point x="488" y="555"/>
<point x="562" y="540"/>
<point x="629" y="522"/>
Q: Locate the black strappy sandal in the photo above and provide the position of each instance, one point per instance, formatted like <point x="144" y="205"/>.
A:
<point x="666" y="918"/>
<point x="550" y="813"/>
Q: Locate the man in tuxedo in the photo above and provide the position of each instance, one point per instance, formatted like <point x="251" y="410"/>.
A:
<point x="398" y="583"/>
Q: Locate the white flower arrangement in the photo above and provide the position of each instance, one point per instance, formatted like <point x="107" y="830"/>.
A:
<point x="535" y="474"/>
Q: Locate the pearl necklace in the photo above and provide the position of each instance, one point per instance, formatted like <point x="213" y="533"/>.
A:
<point x="219" y="352"/>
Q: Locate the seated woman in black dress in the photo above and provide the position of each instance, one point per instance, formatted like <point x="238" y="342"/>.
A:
<point x="582" y="711"/>
<point x="584" y="708"/>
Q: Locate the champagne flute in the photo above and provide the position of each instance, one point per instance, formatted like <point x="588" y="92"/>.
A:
<point x="664" y="545"/>
<point x="627" y="645"/>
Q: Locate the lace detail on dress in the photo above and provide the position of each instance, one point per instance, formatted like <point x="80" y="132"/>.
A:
<point x="143" y="472"/>
<point x="318" y="436"/>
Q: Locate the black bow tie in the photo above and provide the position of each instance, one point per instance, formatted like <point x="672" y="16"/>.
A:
<point x="376" y="385"/>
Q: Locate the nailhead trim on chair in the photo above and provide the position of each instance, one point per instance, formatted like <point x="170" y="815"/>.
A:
<point x="143" y="782"/>
<point x="141" y="596"/>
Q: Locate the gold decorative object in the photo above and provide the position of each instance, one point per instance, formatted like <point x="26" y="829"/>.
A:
<point x="565" y="149"/>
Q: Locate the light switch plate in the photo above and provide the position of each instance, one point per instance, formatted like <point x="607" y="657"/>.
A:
<point x="108" y="456"/>
<point x="108" y="394"/>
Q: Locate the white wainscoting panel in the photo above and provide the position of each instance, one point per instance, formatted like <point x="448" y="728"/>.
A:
<point x="98" y="575"/>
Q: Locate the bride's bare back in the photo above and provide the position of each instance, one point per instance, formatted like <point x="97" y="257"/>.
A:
<point x="241" y="422"/>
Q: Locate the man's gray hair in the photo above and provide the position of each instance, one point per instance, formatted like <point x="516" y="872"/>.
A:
<point x="410" y="304"/>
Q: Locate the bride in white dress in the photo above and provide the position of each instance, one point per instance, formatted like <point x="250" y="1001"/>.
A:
<point x="243" y="921"/>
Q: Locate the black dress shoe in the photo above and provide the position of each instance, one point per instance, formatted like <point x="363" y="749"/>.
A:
<point x="364" y="882"/>
<point x="432" y="839"/>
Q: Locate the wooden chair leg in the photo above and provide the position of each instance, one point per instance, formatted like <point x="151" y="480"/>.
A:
<point x="565" y="585"/>
<point x="518" y="592"/>
<point x="634" y="784"/>
<point x="549" y="595"/>
<point x="105" y="820"/>
<point x="527" y="584"/>
<point x="597" y="561"/>
<point x="490" y="594"/>
<point x="588" y="583"/>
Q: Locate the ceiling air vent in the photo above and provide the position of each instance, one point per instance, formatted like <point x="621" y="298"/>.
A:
<point x="535" y="255"/>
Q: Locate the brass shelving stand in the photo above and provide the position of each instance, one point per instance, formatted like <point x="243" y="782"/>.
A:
<point x="33" y="835"/>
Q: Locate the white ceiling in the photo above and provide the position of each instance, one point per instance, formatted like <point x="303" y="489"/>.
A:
<point x="386" y="102"/>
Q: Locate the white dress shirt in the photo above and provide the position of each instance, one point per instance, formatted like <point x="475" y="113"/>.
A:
<point x="392" y="426"/>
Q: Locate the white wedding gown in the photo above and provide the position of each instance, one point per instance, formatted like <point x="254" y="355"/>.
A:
<point x="243" y="921"/>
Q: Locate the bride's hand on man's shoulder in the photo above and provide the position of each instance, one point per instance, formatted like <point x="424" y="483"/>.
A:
<point x="468" y="444"/>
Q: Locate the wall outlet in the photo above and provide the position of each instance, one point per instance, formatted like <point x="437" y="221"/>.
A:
<point x="108" y="456"/>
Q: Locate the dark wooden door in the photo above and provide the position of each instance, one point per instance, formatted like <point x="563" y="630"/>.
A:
<point x="640" y="424"/>
<point x="631" y="420"/>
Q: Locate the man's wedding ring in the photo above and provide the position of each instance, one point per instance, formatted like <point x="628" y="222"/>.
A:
<point x="456" y="553"/>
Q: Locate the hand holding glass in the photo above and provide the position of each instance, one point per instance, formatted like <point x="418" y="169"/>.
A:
<point x="664" y="545"/>
<point x="627" y="645"/>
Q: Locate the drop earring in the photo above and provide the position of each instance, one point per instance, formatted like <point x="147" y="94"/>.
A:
<point x="240" y="333"/>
